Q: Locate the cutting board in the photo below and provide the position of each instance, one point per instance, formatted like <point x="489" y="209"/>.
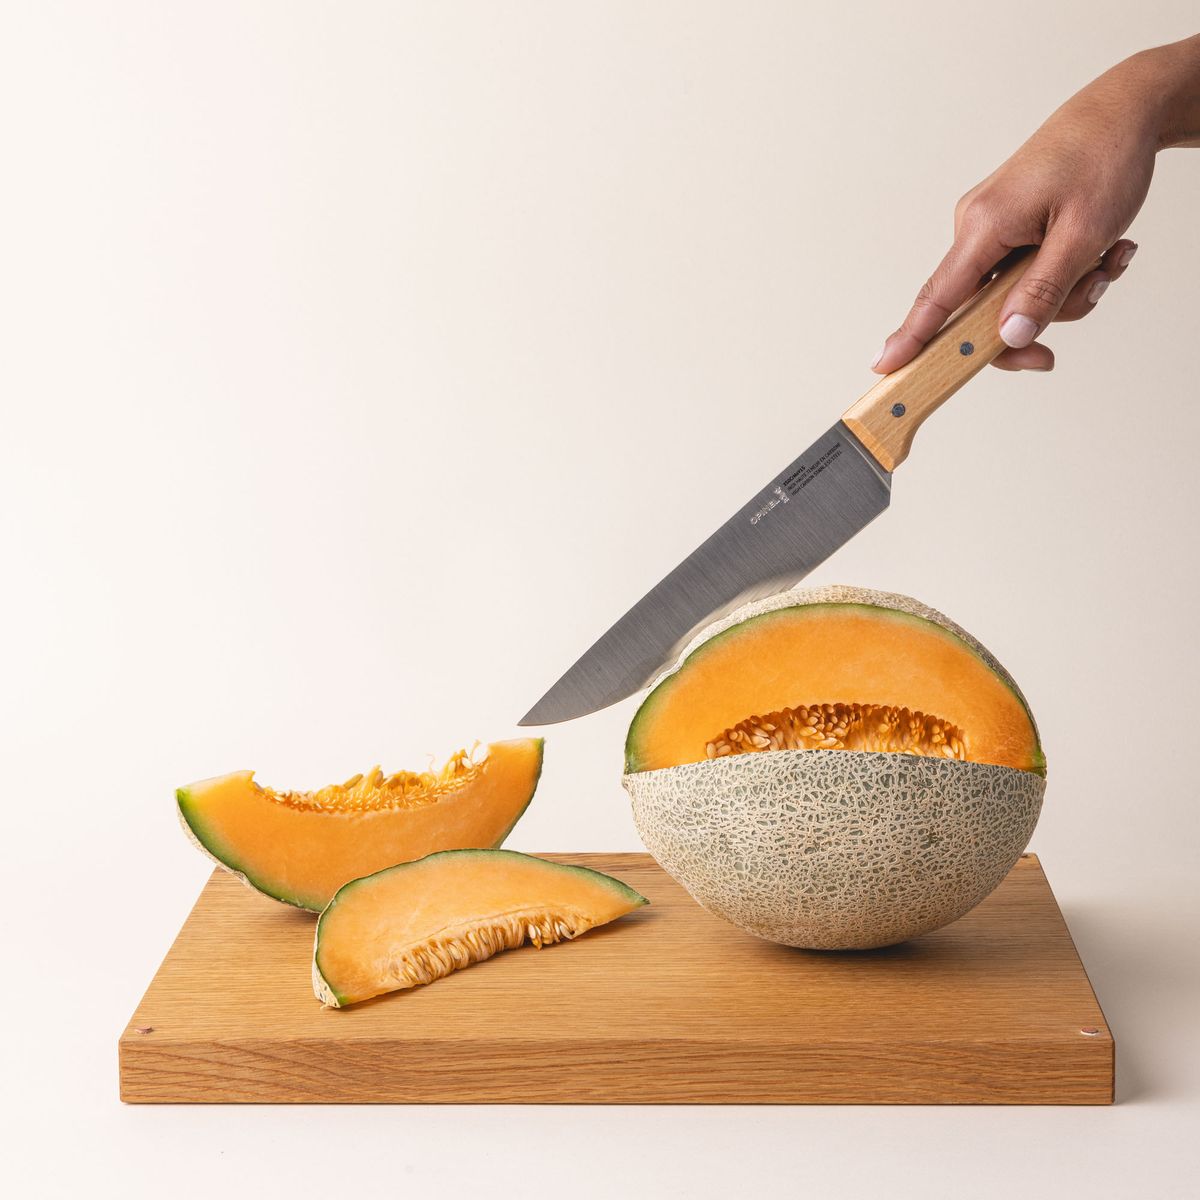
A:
<point x="667" y="1005"/>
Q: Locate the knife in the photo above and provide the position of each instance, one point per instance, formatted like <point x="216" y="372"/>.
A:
<point x="841" y="483"/>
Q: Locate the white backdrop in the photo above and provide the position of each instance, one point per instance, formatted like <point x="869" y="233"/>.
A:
<point x="360" y="363"/>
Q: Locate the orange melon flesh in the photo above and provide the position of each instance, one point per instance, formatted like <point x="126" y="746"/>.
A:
<point x="415" y="923"/>
<point x="301" y="847"/>
<point x="832" y="653"/>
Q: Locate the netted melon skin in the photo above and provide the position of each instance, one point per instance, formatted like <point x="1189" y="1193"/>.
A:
<point x="833" y="850"/>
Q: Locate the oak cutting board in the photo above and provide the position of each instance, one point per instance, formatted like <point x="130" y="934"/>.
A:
<point x="667" y="1005"/>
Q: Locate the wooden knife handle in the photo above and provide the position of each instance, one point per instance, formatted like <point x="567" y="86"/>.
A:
<point x="887" y="418"/>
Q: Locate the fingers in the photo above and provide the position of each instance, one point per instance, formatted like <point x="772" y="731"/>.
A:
<point x="1046" y="293"/>
<point x="957" y="278"/>
<point x="1117" y="257"/>
<point x="1085" y="295"/>
<point x="1034" y="357"/>
<point x="1046" y="286"/>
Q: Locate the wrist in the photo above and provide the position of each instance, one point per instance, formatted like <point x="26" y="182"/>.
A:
<point x="1170" y="78"/>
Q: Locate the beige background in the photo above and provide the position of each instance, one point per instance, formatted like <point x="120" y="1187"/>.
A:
<point x="359" y="363"/>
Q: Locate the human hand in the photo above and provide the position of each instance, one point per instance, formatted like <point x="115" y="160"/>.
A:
<point x="1072" y="189"/>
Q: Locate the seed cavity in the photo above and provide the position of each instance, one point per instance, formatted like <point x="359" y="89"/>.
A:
<point x="414" y="966"/>
<point x="874" y="727"/>
<point x="373" y="792"/>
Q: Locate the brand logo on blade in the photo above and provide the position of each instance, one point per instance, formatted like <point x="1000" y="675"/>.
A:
<point x="796" y="482"/>
<point x="780" y="497"/>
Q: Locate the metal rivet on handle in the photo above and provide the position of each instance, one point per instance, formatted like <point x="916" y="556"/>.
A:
<point x="967" y="348"/>
<point x="898" y="410"/>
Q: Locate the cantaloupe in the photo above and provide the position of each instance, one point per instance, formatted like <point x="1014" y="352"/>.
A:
<point x="836" y="768"/>
<point x="886" y="670"/>
<point x="300" y="847"/>
<point x="415" y="923"/>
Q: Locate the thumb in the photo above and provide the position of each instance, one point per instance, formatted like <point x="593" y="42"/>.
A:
<point x="1038" y="295"/>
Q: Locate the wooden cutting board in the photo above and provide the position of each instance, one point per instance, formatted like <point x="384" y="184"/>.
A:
<point x="667" y="1005"/>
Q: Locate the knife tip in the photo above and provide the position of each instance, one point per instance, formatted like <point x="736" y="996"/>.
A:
<point x="548" y="711"/>
<point x="533" y="718"/>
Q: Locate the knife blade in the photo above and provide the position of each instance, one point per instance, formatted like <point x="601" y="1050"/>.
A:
<point x="841" y="483"/>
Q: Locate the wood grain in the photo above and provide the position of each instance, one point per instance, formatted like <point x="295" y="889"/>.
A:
<point x="887" y="417"/>
<point x="667" y="1005"/>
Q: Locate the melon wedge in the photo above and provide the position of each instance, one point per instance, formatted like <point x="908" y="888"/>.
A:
<point x="417" y="922"/>
<point x="300" y="847"/>
<point x="868" y="670"/>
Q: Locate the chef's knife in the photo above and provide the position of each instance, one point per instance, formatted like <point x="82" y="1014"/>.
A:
<point x="841" y="483"/>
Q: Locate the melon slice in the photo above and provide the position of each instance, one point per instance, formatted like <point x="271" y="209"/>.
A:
<point x="417" y="922"/>
<point x="300" y="847"/>
<point x="835" y="668"/>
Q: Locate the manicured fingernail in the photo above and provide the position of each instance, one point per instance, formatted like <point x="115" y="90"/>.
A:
<point x="1097" y="290"/>
<point x="1018" y="330"/>
<point x="875" y="360"/>
<point x="1127" y="255"/>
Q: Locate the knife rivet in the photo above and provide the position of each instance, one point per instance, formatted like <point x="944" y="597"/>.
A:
<point x="898" y="410"/>
<point x="966" y="348"/>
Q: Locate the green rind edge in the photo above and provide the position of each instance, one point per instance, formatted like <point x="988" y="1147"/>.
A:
<point x="342" y="1001"/>
<point x="207" y="842"/>
<point x="599" y="877"/>
<point x="646" y="709"/>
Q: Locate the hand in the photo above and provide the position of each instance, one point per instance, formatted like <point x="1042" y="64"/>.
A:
<point x="1073" y="189"/>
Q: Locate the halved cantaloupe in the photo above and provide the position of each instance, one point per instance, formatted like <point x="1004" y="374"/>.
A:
<point x="835" y="668"/>
<point x="418" y="922"/>
<point x="300" y="847"/>
<point x="836" y="768"/>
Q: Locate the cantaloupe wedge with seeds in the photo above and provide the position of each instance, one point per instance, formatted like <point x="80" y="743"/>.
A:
<point x="415" y="923"/>
<point x="300" y="847"/>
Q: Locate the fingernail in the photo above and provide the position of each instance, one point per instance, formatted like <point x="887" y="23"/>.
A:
<point x="876" y="359"/>
<point x="1127" y="255"/>
<point x="1018" y="330"/>
<point x="1097" y="290"/>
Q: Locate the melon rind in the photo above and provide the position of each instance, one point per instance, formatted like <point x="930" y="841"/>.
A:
<point x="321" y="986"/>
<point x="829" y="849"/>
<point x="832" y="594"/>
<point x="182" y="801"/>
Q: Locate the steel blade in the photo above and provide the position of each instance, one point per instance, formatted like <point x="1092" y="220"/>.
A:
<point x="798" y="520"/>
